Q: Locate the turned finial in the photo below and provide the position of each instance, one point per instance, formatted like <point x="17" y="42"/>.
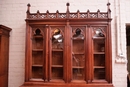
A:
<point x="28" y="9"/>
<point x="108" y="6"/>
<point x="67" y="4"/>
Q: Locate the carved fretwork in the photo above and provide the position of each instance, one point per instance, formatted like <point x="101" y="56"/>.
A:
<point x="69" y="15"/>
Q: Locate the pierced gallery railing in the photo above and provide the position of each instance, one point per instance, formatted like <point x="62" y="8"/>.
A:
<point x="57" y="15"/>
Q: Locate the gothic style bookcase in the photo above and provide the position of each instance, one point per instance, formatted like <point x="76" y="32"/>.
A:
<point x="4" y="55"/>
<point x="68" y="49"/>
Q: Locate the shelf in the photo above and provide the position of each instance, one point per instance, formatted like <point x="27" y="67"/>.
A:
<point x="98" y="37"/>
<point x="57" y="66"/>
<point x="37" y="49"/>
<point x="99" y="80"/>
<point x="98" y="67"/>
<point x="77" y="67"/>
<point x="60" y="50"/>
<point x="37" y="65"/>
<point x="99" y="52"/>
<point x="40" y="37"/>
<point x="77" y="38"/>
<point x="78" y="53"/>
<point x="78" y="81"/>
<point x="36" y="79"/>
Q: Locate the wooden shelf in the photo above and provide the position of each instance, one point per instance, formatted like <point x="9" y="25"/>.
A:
<point x="37" y="49"/>
<point x="78" y="53"/>
<point x="37" y="65"/>
<point x="77" y="67"/>
<point x="57" y="50"/>
<point x="98" y="37"/>
<point x="78" y="38"/>
<point x="98" y="67"/>
<point x="36" y="79"/>
<point x="40" y="37"/>
<point x="58" y="66"/>
<point x="78" y="81"/>
<point x="99" y="52"/>
<point x="99" y="81"/>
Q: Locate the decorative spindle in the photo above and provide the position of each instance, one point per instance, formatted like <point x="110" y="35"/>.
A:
<point x="98" y="13"/>
<point x="109" y="10"/>
<point x="78" y="13"/>
<point x="108" y="4"/>
<point x="67" y="12"/>
<point x="28" y="10"/>
<point x="38" y="13"/>
<point x="88" y="12"/>
<point x="47" y="12"/>
<point x="57" y="13"/>
<point x="68" y="4"/>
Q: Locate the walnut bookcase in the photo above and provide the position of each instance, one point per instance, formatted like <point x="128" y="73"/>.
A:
<point x="4" y="55"/>
<point x="68" y="49"/>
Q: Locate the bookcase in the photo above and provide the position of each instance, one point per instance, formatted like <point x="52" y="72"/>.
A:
<point x="4" y="55"/>
<point x="68" y="49"/>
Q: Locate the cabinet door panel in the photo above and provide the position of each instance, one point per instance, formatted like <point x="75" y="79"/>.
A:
<point x="57" y="52"/>
<point x="38" y="51"/>
<point x="78" y="53"/>
<point x="99" y="52"/>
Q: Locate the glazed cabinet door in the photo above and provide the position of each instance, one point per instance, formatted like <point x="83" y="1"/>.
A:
<point x="79" y="53"/>
<point x="56" y="53"/>
<point x="38" y="53"/>
<point x="100" y="59"/>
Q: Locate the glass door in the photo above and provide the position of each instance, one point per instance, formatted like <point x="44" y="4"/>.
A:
<point x="37" y="54"/>
<point x="57" y="53"/>
<point x="99" y="68"/>
<point x="78" y="53"/>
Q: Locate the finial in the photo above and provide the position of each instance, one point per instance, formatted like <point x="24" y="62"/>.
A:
<point x="38" y="11"/>
<point x="28" y="5"/>
<point x="108" y="6"/>
<point x="78" y="11"/>
<point x="67" y="4"/>
<point x="88" y="10"/>
<point x="67" y="12"/>
<point x="108" y="10"/>
<point x="28" y="9"/>
<point x="57" y="11"/>
<point x="98" y="10"/>
<point x="47" y="11"/>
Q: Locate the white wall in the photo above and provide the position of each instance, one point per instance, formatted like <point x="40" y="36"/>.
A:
<point x="13" y="14"/>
